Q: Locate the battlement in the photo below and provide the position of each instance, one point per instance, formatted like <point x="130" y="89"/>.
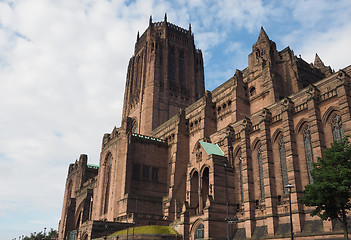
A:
<point x="171" y="26"/>
<point x="175" y="27"/>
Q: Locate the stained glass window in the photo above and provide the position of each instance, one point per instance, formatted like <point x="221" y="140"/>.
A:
<point x="199" y="232"/>
<point x="241" y="178"/>
<point x="260" y="169"/>
<point x="172" y="68"/>
<point x="283" y="164"/>
<point x="308" y="151"/>
<point x="181" y="69"/>
<point x="108" y="180"/>
<point x="338" y="131"/>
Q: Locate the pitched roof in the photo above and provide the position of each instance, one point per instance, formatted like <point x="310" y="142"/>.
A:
<point x="212" y="148"/>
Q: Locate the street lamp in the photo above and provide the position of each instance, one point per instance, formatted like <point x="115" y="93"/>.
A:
<point x="105" y="237"/>
<point x="289" y="187"/>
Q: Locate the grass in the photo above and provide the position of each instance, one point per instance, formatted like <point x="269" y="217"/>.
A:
<point x="152" y="229"/>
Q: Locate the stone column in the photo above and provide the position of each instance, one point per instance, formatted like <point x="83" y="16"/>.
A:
<point x="292" y="163"/>
<point x="268" y="172"/>
<point x="184" y="226"/>
<point x="344" y="99"/>
<point x="315" y="123"/>
<point x="249" y="202"/>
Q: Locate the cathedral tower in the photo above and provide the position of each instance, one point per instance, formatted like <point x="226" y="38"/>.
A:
<point x="165" y="74"/>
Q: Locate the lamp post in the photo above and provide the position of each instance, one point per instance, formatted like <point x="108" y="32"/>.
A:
<point x="289" y="187"/>
<point x="105" y="237"/>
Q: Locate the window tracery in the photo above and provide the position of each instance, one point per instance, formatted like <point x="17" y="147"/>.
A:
<point x="283" y="165"/>
<point x="241" y="178"/>
<point x="199" y="232"/>
<point x="308" y="151"/>
<point x="260" y="170"/>
<point x="109" y="161"/>
<point x="337" y="128"/>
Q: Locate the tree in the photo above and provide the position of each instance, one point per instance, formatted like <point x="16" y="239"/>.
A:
<point x="330" y="192"/>
<point x="52" y="234"/>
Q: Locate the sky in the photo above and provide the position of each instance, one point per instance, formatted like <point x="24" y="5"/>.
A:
<point x="63" y="69"/>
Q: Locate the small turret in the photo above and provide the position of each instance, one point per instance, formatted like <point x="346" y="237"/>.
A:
<point x="165" y="19"/>
<point x="318" y="63"/>
<point x="138" y="37"/>
<point x="263" y="35"/>
<point x="150" y="21"/>
<point x="189" y="28"/>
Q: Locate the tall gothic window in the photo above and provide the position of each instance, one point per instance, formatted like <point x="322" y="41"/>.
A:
<point x="241" y="177"/>
<point x="172" y="68"/>
<point x="260" y="170"/>
<point x="181" y="69"/>
<point x="108" y="182"/>
<point x="194" y="191"/>
<point x="134" y="126"/>
<point x="283" y="164"/>
<point x="308" y="151"/>
<point x="337" y="129"/>
<point x="136" y="78"/>
<point x="205" y="186"/>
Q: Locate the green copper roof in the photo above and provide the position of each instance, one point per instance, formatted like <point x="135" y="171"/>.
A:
<point x="212" y="148"/>
<point x="93" y="166"/>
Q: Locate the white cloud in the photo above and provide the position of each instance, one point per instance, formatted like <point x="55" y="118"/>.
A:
<point x="331" y="46"/>
<point x="63" y="68"/>
<point x="324" y="29"/>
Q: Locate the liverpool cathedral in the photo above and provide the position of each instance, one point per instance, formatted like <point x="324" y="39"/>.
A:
<point x="210" y="164"/>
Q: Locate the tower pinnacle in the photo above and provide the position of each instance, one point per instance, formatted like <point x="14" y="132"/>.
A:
<point x="318" y="62"/>
<point x="263" y="35"/>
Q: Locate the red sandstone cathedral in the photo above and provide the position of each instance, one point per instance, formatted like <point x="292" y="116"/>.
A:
<point x="211" y="165"/>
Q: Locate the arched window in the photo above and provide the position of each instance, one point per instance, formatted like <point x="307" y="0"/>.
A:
<point x="134" y="127"/>
<point x="205" y="185"/>
<point x="260" y="170"/>
<point x="107" y="181"/>
<point x="194" y="191"/>
<point x="257" y="54"/>
<point x="252" y="91"/>
<point x="199" y="232"/>
<point x="172" y="68"/>
<point x="181" y="64"/>
<point x="337" y="129"/>
<point x="240" y="165"/>
<point x="308" y="151"/>
<point x="85" y="236"/>
<point x="69" y="193"/>
<point x="283" y="164"/>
